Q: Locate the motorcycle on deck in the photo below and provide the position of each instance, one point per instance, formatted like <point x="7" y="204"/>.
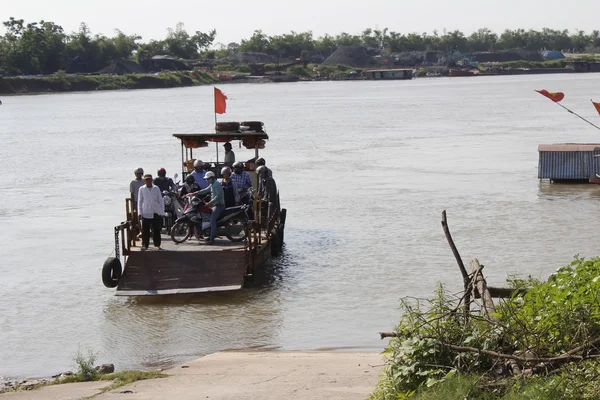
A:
<point x="174" y="207"/>
<point x="231" y="223"/>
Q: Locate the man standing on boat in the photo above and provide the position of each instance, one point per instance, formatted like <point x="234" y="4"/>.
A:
<point x="135" y="185"/>
<point x="134" y="188"/>
<point x="198" y="174"/>
<point x="242" y="181"/>
<point x="152" y="208"/>
<point x="267" y="189"/>
<point x="229" y="155"/>
<point x="217" y="202"/>
<point x="261" y="161"/>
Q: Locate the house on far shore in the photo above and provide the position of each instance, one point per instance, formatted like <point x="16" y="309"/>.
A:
<point x="379" y="74"/>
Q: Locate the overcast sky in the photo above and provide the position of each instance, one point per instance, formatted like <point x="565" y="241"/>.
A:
<point x="236" y="19"/>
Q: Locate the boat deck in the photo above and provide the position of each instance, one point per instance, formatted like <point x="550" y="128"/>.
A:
<point x="221" y="244"/>
<point x="189" y="267"/>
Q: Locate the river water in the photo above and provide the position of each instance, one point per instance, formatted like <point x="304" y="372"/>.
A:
<point x="365" y="170"/>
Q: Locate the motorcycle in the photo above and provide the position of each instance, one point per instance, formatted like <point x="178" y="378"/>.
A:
<point x="174" y="207"/>
<point x="231" y="223"/>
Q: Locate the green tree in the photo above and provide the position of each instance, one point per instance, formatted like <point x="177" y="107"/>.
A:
<point x="258" y="42"/>
<point x="482" y="40"/>
<point x="305" y="57"/>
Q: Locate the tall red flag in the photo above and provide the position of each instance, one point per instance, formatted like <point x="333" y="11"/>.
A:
<point x="555" y="97"/>
<point x="597" y="105"/>
<point x="220" y="103"/>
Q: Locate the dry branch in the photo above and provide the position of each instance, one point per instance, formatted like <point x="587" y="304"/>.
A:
<point x="459" y="261"/>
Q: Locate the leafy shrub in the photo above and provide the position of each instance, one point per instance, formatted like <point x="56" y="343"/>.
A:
<point x="551" y="319"/>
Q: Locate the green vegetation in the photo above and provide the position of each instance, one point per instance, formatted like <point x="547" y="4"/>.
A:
<point x="544" y="344"/>
<point x="62" y="82"/>
<point x="86" y="372"/>
<point x="44" y="48"/>
<point x="126" y="377"/>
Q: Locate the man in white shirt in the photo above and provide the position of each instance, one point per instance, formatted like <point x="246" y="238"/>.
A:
<point x="151" y="208"/>
<point x="229" y="155"/>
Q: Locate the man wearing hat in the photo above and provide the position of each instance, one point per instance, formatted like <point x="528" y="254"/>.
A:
<point x="134" y="188"/>
<point x="151" y="208"/>
<point x="135" y="185"/>
<point x="229" y="154"/>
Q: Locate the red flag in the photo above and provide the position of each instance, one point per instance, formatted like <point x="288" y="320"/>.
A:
<point x="555" y="97"/>
<point x="220" y="103"/>
<point x="597" y="105"/>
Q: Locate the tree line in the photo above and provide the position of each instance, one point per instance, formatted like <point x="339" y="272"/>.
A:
<point x="43" y="47"/>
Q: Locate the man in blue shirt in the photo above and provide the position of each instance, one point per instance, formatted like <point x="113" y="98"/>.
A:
<point x="217" y="202"/>
<point x="198" y="174"/>
<point x="242" y="181"/>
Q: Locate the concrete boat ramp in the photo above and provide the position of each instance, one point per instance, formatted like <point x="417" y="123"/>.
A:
<point x="241" y="376"/>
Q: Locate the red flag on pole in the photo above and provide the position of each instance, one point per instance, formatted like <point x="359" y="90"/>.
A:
<point x="555" y="97"/>
<point x="220" y="103"/>
<point x="597" y="105"/>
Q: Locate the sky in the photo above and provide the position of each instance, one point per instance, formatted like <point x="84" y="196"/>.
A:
<point x="237" y="19"/>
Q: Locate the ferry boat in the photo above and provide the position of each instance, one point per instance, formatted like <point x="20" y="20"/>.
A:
<point x="193" y="267"/>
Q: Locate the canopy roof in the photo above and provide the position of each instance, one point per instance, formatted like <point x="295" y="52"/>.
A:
<point x="222" y="136"/>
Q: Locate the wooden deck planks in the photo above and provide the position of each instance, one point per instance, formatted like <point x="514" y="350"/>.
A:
<point x="182" y="271"/>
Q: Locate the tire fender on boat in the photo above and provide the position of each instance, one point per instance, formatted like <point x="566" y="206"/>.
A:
<point x="274" y="245"/>
<point x="111" y="272"/>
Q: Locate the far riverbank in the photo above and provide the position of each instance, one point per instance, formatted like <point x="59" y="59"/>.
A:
<point x="62" y="82"/>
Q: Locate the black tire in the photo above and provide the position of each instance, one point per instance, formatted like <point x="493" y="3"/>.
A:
<point x="111" y="272"/>
<point x="280" y="233"/>
<point x="181" y="231"/>
<point x="236" y="230"/>
<point x="275" y="247"/>
<point x="282" y="216"/>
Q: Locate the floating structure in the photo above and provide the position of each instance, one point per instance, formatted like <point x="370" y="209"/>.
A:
<point x="379" y="74"/>
<point x="192" y="266"/>
<point x="463" y="72"/>
<point x="569" y="162"/>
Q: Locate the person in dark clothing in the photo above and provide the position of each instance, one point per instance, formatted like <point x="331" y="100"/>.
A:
<point x="190" y="186"/>
<point x="230" y="190"/>
<point x="164" y="183"/>
<point x="267" y="189"/>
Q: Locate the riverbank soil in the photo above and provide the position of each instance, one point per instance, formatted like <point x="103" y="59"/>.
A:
<point x="246" y="375"/>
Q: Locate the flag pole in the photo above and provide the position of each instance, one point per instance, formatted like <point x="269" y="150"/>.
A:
<point x="577" y="115"/>
<point x="215" y="109"/>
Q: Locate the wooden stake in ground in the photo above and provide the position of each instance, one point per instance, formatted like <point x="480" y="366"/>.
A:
<point x="459" y="261"/>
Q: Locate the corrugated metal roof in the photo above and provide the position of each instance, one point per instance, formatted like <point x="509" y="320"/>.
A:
<point x="569" y="164"/>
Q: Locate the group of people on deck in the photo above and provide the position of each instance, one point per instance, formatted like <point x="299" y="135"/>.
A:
<point x="235" y="188"/>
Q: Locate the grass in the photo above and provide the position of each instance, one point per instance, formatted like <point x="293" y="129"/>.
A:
<point x="126" y="377"/>
<point x="461" y="387"/>
<point x="86" y="372"/>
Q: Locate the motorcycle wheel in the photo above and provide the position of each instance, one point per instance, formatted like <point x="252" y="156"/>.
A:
<point x="180" y="232"/>
<point x="236" y="231"/>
